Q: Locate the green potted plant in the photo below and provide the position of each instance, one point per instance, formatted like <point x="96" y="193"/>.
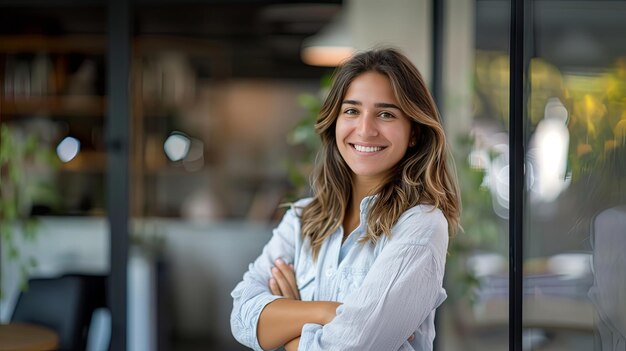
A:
<point x="20" y="158"/>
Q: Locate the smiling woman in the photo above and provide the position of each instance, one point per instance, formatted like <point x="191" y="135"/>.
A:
<point x="372" y="136"/>
<point x="360" y="265"/>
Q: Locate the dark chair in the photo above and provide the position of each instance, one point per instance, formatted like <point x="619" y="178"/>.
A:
<point x="63" y="304"/>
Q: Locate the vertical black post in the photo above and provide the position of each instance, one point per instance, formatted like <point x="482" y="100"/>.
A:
<point x="516" y="175"/>
<point x="437" y="90"/>
<point x="117" y="131"/>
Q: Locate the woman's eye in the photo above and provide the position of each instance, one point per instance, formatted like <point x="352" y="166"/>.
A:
<point x="350" y="111"/>
<point x="386" y="115"/>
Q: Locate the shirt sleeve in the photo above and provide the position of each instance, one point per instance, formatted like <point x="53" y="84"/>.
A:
<point x="402" y="288"/>
<point x="252" y="294"/>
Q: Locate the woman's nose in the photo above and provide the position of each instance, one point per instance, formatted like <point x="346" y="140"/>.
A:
<point x="367" y="126"/>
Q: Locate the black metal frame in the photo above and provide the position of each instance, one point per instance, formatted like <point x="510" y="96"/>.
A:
<point x="437" y="83"/>
<point x="118" y="141"/>
<point x="519" y="63"/>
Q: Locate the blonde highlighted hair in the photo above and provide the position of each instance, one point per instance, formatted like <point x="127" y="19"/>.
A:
<point x="422" y="176"/>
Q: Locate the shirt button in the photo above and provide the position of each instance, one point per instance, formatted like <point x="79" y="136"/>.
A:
<point x="329" y="272"/>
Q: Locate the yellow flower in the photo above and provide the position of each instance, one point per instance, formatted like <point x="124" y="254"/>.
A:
<point x="620" y="130"/>
<point x="609" y="145"/>
<point x="583" y="149"/>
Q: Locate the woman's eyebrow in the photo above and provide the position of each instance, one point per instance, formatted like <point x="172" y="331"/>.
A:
<point x="386" y="105"/>
<point x="352" y="102"/>
<point x="378" y="104"/>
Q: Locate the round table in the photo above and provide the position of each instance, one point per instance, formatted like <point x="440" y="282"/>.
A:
<point x="27" y="337"/>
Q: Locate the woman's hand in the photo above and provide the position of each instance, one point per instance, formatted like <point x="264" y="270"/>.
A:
<point x="283" y="281"/>
<point x="293" y="345"/>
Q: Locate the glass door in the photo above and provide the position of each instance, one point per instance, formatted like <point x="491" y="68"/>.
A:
<point x="575" y="191"/>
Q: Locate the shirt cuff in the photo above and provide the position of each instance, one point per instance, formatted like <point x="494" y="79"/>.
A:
<point x="259" y="305"/>
<point x="307" y="337"/>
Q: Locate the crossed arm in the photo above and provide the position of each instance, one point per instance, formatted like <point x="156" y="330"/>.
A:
<point x="401" y="289"/>
<point x="281" y="321"/>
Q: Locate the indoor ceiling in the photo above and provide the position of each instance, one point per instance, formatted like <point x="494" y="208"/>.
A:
<point x="260" y="39"/>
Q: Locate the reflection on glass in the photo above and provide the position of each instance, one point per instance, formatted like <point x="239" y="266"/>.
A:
<point x="547" y="154"/>
<point x="576" y="150"/>
<point x="608" y="292"/>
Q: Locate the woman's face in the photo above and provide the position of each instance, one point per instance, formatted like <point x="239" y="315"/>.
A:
<point x="372" y="133"/>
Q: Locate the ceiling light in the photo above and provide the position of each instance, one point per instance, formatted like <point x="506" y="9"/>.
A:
<point x="330" y="47"/>
<point x="68" y="149"/>
<point x="176" y="146"/>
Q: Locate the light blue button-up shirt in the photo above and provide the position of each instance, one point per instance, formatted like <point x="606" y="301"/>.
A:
<point x="388" y="290"/>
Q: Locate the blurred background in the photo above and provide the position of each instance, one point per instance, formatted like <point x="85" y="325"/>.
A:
<point x="222" y="96"/>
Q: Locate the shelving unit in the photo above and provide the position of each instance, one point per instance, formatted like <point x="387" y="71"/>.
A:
<point x="70" y="43"/>
<point x="89" y="162"/>
<point x="84" y="106"/>
<point x="59" y="79"/>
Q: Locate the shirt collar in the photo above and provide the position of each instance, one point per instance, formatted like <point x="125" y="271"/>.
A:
<point x="366" y="202"/>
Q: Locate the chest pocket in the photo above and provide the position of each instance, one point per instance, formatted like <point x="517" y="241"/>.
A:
<point x="306" y="285"/>
<point x="351" y="280"/>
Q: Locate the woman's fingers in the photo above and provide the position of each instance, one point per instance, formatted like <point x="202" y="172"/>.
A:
<point x="285" y="278"/>
<point x="283" y="284"/>
<point x="283" y="281"/>
<point x="290" y="276"/>
<point x="274" y="287"/>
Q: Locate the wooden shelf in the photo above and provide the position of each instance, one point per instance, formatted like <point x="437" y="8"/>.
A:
<point x="150" y="43"/>
<point x="86" y="161"/>
<point x="85" y="44"/>
<point x="93" y="106"/>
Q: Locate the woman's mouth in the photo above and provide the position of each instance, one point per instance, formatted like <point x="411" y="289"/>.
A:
<point x="367" y="149"/>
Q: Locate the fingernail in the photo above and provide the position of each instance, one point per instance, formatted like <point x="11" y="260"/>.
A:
<point x="279" y="261"/>
<point x="274" y="269"/>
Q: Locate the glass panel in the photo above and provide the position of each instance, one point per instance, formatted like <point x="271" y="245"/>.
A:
<point x="476" y="114"/>
<point x="576" y="190"/>
<point x="53" y="160"/>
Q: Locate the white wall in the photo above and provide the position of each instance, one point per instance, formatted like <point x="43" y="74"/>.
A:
<point x="458" y="68"/>
<point x="405" y="24"/>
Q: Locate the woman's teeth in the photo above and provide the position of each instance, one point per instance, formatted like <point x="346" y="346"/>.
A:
<point x="367" y="148"/>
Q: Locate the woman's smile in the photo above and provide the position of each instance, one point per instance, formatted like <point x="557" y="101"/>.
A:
<point x="366" y="149"/>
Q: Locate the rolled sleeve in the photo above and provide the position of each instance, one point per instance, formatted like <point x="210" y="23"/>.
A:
<point x="309" y="335"/>
<point x="244" y="324"/>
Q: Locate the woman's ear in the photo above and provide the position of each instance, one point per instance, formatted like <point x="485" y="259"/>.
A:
<point x="414" y="135"/>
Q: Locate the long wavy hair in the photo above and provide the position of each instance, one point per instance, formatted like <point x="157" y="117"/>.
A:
<point x="422" y="176"/>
